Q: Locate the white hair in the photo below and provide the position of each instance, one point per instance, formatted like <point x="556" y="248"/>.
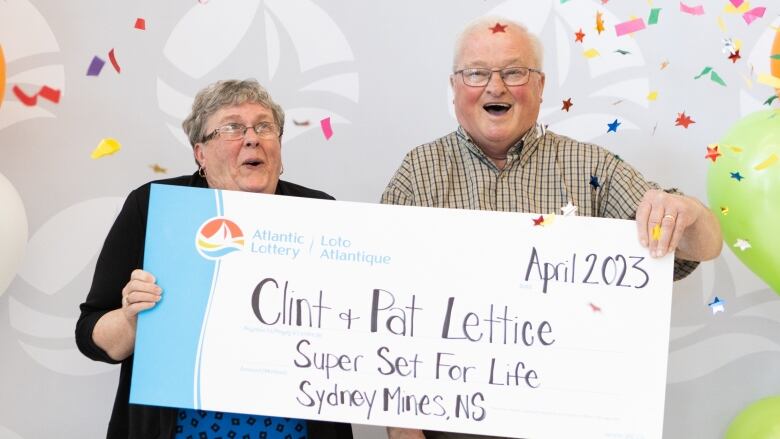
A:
<point x="486" y="22"/>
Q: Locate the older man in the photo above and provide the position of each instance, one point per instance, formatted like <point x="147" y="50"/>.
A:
<point x="501" y="159"/>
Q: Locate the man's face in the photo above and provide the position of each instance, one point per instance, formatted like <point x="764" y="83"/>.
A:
<point x="496" y="116"/>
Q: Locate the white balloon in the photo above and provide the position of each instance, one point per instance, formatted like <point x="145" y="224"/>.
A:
<point x="13" y="232"/>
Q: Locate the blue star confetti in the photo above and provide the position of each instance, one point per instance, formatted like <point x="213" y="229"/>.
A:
<point x="737" y="176"/>
<point x="613" y="126"/>
<point x="594" y="181"/>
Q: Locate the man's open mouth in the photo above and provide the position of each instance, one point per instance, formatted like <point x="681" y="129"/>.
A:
<point x="253" y="163"/>
<point x="497" y="109"/>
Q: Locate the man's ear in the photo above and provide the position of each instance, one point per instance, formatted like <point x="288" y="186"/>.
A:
<point x="197" y="151"/>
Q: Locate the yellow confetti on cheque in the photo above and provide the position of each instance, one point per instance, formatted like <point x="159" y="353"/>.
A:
<point x="591" y="53"/>
<point x="106" y="147"/>
<point x="767" y="163"/>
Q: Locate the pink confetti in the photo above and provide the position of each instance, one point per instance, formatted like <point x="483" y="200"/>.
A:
<point x="630" y="26"/>
<point x="737" y="3"/>
<point x="754" y="14"/>
<point x="326" y="129"/>
<point x="693" y="10"/>
<point x="140" y="24"/>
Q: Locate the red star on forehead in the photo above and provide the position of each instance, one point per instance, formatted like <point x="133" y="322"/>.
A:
<point x="734" y="57"/>
<point x="498" y="28"/>
<point x="567" y="104"/>
<point x="579" y="35"/>
<point x="713" y="153"/>
<point x="539" y="221"/>
<point x="683" y="120"/>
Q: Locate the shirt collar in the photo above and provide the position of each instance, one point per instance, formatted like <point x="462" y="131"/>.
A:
<point x="536" y="132"/>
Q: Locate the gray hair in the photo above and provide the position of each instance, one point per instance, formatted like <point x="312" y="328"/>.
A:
<point x="488" y="21"/>
<point x="224" y="94"/>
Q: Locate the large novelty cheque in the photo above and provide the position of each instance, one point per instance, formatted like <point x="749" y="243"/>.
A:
<point x="480" y="322"/>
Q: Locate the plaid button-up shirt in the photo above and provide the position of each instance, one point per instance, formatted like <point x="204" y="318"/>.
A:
<point x="543" y="173"/>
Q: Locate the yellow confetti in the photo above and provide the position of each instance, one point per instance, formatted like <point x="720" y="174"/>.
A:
<point x="730" y="9"/>
<point x="724" y="210"/>
<point x="767" y="79"/>
<point x="548" y="219"/>
<point x="738" y="44"/>
<point x="591" y="53"/>
<point x="652" y="96"/>
<point x="722" y="24"/>
<point x="657" y="232"/>
<point x="767" y="163"/>
<point x="734" y="148"/>
<point x="158" y="169"/>
<point x="106" y="147"/>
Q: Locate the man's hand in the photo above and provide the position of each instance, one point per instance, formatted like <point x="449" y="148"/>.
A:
<point x="668" y="222"/>
<point x="404" y="433"/>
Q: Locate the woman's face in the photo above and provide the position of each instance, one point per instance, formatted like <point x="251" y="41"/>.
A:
<point x="251" y="163"/>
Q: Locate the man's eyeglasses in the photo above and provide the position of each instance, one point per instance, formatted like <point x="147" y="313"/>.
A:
<point x="236" y="131"/>
<point x="512" y="76"/>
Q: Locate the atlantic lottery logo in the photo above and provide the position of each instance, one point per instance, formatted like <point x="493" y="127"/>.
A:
<point x="218" y="237"/>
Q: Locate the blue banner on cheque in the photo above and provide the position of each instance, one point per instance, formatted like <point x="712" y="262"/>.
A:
<point x="495" y="323"/>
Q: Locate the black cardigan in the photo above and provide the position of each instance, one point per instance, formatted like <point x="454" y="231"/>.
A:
<point x="123" y="251"/>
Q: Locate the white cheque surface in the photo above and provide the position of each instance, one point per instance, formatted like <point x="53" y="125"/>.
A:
<point x="481" y="322"/>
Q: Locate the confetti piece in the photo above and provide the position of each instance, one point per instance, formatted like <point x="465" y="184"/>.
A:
<point x="742" y="244"/>
<point x="303" y="123"/>
<point x="703" y="72"/>
<point x="775" y="56"/>
<point x="693" y="10"/>
<point x="724" y="210"/>
<point x="656" y="232"/>
<point x="734" y="57"/>
<point x="569" y="209"/>
<point x="770" y="100"/>
<point x="736" y="3"/>
<point x="326" y="129"/>
<point x="734" y="149"/>
<point x="498" y="27"/>
<point x="112" y="58"/>
<point x="538" y="221"/>
<point x="591" y="53"/>
<point x="769" y="80"/>
<point x="600" y="22"/>
<point x="653" y="95"/>
<point x="46" y="92"/>
<point x="613" y="126"/>
<point x="594" y="181"/>
<point x="2" y="76"/>
<point x="713" y="153"/>
<point x="683" y="120"/>
<point x="732" y="9"/>
<point x="622" y="52"/>
<point x="106" y="147"/>
<point x="567" y="104"/>
<point x="140" y="24"/>
<point x="717" y="79"/>
<point x="549" y="219"/>
<point x="717" y="305"/>
<point x="664" y="64"/>
<point x="721" y="24"/>
<point x="158" y="169"/>
<point x="653" y="18"/>
<point x="766" y="163"/>
<point x="594" y="308"/>
<point x="630" y="26"/>
<point x="737" y="176"/>
<point x="578" y="36"/>
<point x="753" y="14"/>
<point x="95" y="66"/>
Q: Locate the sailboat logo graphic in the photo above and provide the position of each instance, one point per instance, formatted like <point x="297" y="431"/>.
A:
<point x="218" y="237"/>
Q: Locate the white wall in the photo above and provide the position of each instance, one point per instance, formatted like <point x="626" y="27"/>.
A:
<point x="379" y="70"/>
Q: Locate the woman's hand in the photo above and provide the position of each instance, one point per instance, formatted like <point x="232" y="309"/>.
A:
<point x="115" y="331"/>
<point x="404" y="433"/>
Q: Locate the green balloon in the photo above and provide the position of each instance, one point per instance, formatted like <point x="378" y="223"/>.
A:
<point x="743" y="187"/>
<point x="760" y="420"/>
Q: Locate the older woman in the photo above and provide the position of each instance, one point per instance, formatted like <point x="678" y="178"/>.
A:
<point x="235" y="129"/>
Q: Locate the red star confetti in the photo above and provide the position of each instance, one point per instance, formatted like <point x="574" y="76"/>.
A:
<point x="567" y="104"/>
<point x="599" y="22"/>
<point x="683" y="120"/>
<point x="498" y="28"/>
<point x="538" y="221"/>
<point x="578" y="36"/>
<point x="734" y="57"/>
<point x="46" y="92"/>
<point x="140" y="24"/>
<point x="713" y="154"/>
